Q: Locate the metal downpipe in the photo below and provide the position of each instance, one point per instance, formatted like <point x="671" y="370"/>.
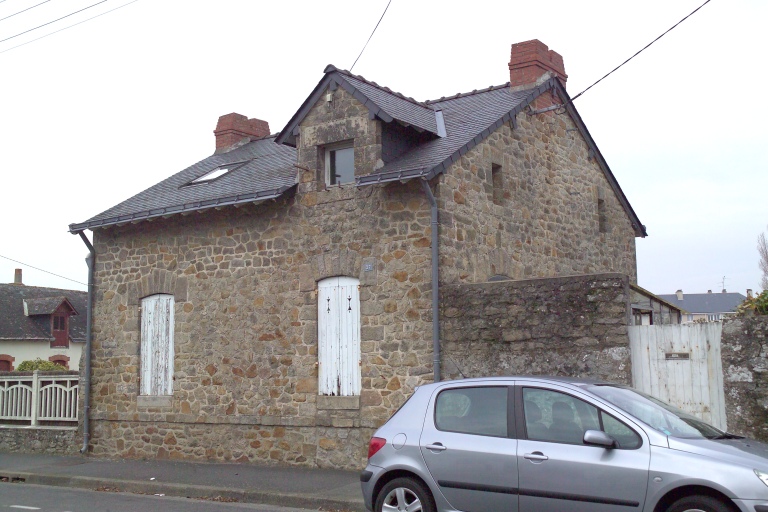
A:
<point x="435" y="282"/>
<point x="90" y="260"/>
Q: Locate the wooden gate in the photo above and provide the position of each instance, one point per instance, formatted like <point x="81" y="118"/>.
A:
<point x="681" y="365"/>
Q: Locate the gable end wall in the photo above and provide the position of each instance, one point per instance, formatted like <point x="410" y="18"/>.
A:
<point x="547" y="223"/>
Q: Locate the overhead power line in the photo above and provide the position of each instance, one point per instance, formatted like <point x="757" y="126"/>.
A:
<point x="70" y="26"/>
<point x="25" y="10"/>
<point x="369" y="37"/>
<point x="54" y="21"/>
<point x="41" y="270"/>
<point x="641" y="50"/>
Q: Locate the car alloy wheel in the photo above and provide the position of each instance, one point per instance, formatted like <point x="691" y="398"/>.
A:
<point x="699" y="504"/>
<point x="404" y="495"/>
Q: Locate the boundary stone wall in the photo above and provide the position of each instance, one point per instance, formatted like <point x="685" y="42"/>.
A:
<point x="572" y="326"/>
<point x="744" y="348"/>
<point x="44" y="440"/>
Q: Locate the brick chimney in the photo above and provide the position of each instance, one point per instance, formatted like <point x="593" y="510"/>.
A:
<point x="679" y="294"/>
<point x="17" y="277"/>
<point x="530" y="60"/>
<point x="234" y="128"/>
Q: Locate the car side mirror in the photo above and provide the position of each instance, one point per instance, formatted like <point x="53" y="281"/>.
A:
<point x="599" y="438"/>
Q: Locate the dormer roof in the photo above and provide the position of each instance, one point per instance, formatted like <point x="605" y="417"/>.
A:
<point x="382" y="103"/>
<point x="47" y="306"/>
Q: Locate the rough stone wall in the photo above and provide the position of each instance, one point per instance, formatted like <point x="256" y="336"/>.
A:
<point x="58" y="441"/>
<point x="744" y="348"/>
<point x="571" y="326"/>
<point x="245" y="284"/>
<point x="546" y="222"/>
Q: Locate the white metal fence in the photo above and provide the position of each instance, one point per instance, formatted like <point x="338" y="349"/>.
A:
<point x="34" y="398"/>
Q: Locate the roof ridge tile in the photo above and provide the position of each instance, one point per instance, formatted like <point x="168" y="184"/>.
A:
<point x="382" y="87"/>
<point x="465" y="94"/>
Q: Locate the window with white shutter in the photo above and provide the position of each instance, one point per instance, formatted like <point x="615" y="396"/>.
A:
<point x="157" y="345"/>
<point x="338" y="337"/>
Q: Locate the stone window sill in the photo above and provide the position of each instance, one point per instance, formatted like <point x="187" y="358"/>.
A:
<point x="160" y="401"/>
<point x="338" y="402"/>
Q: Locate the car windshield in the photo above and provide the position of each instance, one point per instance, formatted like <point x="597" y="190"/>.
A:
<point x="656" y="414"/>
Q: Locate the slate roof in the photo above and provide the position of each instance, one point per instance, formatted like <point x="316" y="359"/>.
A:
<point x="268" y="171"/>
<point x="706" y="302"/>
<point x="455" y="124"/>
<point x="469" y="118"/>
<point x="381" y="102"/>
<point x="14" y="325"/>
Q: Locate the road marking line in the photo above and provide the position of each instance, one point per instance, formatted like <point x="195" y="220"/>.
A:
<point x="25" y="508"/>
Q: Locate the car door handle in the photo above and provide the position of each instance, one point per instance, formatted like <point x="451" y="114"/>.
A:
<point x="436" y="447"/>
<point x="537" y="456"/>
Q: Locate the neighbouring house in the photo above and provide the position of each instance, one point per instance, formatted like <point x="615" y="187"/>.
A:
<point x="650" y="309"/>
<point x="37" y="322"/>
<point x="706" y="307"/>
<point x="278" y="299"/>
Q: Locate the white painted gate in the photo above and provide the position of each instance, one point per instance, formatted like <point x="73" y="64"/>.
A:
<point x="338" y="337"/>
<point x="680" y="364"/>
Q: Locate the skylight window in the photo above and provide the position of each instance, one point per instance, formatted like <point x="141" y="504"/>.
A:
<point x="212" y="175"/>
<point x="215" y="174"/>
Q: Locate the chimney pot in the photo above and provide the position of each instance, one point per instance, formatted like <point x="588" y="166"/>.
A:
<point x="17" y="277"/>
<point x="234" y="128"/>
<point x="679" y="294"/>
<point x="530" y="60"/>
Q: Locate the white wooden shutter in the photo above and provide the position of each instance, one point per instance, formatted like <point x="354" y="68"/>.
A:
<point x="157" y="351"/>
<point x="339" y="336"/>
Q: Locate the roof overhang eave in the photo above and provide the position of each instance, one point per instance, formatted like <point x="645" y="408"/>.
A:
<point x="257" y="197"/>
<point x="388" y="177"/>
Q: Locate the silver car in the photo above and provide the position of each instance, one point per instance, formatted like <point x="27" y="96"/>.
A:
<point x="534" y="444"/>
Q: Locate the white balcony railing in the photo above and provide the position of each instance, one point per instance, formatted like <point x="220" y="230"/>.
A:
<point x="34" y="398"/>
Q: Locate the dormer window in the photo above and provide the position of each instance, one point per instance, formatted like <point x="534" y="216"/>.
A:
<point x="60" y="332"/>
<point x="340" y="164"/>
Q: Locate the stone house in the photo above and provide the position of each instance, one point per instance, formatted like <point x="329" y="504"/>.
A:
<point x="38" y="322"/>
<point x="278" y="300"/>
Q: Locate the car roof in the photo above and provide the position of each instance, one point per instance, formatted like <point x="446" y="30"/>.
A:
<point x="554" y="379"/>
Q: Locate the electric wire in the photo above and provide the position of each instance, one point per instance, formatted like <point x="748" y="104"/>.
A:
<point x="25" y="10"/>
<point x="54" y="21"/>
<point x="41" y="270"/>
<point x="641" y="50"/>
<point x="369" y="37"/>
<point x="70" y="26"/>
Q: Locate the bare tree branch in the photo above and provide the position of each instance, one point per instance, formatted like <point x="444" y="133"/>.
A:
<point x="762" y="250"/>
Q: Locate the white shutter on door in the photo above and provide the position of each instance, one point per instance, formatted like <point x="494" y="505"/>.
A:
<point x="157" y="351"/>
<point x="339" y="336"/>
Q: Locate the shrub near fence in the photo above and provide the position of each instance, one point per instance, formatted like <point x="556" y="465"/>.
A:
<point x="39" y="398"/>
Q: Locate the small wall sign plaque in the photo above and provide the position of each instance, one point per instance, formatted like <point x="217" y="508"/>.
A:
<point x="675" y="356"/>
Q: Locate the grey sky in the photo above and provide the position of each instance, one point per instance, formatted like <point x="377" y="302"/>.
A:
<point x="96" y="113"/>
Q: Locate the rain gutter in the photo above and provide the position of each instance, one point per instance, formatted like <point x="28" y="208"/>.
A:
<point x="435" y="282"/>
<point x="90" y="260"/>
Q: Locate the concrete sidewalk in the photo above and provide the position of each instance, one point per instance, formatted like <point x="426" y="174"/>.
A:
<point x="245" y="483"/>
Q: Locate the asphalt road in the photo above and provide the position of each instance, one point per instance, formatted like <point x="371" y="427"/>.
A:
<point x="27" y="497"/>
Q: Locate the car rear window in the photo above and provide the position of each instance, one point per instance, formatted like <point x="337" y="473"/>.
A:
<point x="478" y="410"/>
